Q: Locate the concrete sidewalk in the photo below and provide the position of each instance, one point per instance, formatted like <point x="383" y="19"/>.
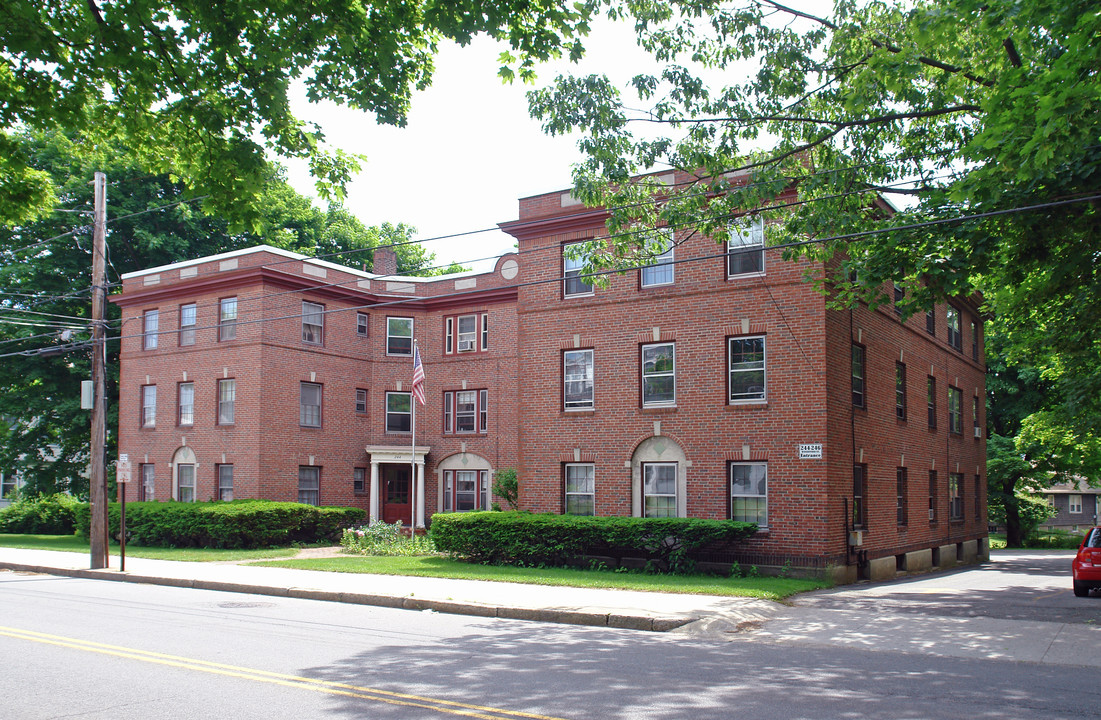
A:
<point x="578" y="606"/>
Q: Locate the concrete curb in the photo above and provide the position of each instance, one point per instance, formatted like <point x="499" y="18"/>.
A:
<point x="551" y="615"/>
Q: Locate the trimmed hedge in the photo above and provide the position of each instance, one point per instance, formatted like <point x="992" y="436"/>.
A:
<point x="44" y="515"/>
<point x="520" y="538"/>
<point x="236" y="524"/>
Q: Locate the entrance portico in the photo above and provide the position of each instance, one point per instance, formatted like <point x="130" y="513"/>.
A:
<point x="398" y="461"/>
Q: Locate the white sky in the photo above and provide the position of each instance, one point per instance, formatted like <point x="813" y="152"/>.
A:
<point x="470" y="150"/>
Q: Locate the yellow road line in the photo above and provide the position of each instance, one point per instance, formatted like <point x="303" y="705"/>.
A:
<point x="297" y="681"/>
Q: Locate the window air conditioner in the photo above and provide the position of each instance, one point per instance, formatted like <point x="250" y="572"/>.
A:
<point x="466" y="345"/>
<point x="932" y="513"/>
<point x="978" y="432"/>
<point x="856" y="538"/>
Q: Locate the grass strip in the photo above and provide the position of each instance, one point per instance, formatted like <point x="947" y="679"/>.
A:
<point x="71" y="543"/>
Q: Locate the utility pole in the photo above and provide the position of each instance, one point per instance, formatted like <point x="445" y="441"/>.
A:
<point x="98" y="479"/>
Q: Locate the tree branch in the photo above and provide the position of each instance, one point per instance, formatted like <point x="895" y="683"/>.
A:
<point x="96" y="14"/>
<point x="1011" y="51"/>
<point x="839" y="124"/>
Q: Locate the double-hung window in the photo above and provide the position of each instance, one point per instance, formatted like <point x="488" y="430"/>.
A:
<point x="147" y="488"/>
<point x="185" y="482"/>
<point x="465" y="490"/>
<point x="860" y="489"/>
<point x="150" y="322"/>
<point x="464" y="411"/>
<point x="313" y="323"/>
<point x="749" y="493"/>
<point x="148" y="406"/>
<point x="227" y="401"/>
<point x="577" y="379"/>
<point x="188" y="321"/>
<point x="361" y="401"/>
<point x="898" y="297"/>
<point x="186" y="403"/>
<point x="746" y="369"/>
<point x="955" y="496"/>
<point x="900" y="391"/>
<point x="745" y="252"/>
<point x="900" y="496"/>
<point x="362" y="324"/>
<point x="659" y="384"/>
<point x="466" y="333"/>
<point x="580" y="489"/>
<point x="955" y="410"/>
<point x="309" y="485"/>
<point x="931" y="322"/>
<point x="661" y="272"/>
<point x="399" y="412"/>
<point x="227" y="319"/>
<point x="1074" y="504"/>
<point x="573" y="268"/>
<point x="309" y="404"/>
<point x="659" y="489"/>
<point x="955" y="338"/>
<point x="399" y="336"/>
<point x="359" y="480"/>
<point x="860" y="398"/>
<point x="931" y="400"/>
<point x="225" y="482"/>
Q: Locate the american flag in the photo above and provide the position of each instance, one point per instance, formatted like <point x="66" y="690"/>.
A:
<point x="418" y="375"/>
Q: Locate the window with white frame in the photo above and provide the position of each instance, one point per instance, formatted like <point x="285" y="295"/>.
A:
<point x="955" y="338"/>
<point x="8" y="486"/>
<point x="955" y="410"/>
<point x="227" y="319"/>
<point x="577" y="379"/>
<point x="361" y="401"/>
<point x="309" y="404"/>
<point x="661" y="272"/>
<point x="362" y="324"/>
<point x="746" y="369"/>
<point x="186" y="403"/>
<point x="749" y="492"/>
<point x="466" y="333"/>
<point x="188" y="321"/>
<point x="659" y="384"/>
<point x="580" y="489"/>
<point x="399" y="412"/>
<point x="227" y="401"/>
<point x="185" y="482"/>
<point x="147" y="486"/>
<point x="309" y="485"/>
<point x="659" y="489"/>
<point x="574" y="284"/>
<point x="464" y="411"/>
<point x="150" y="323"/>
<point x="359" y="480"/>
<point x="465" y="490"/>
<point x="1074" y="504"/>
<point x="313" y="323"/>
<point x="225" y="482"/>
<point x="745" y="252"/>
<point x="148" y="406"/>
<point x="955" y="496"/>
<point x="399" y="336"/>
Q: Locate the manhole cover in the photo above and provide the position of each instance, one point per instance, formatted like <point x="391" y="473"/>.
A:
<point x="238" y="605"/>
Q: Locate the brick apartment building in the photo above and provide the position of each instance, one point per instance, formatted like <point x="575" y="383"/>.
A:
<point x="712" y="384"/>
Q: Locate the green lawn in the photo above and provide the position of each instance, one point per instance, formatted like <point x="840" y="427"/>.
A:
<point x="769" y="588"/>
<point x="71" y="543"/>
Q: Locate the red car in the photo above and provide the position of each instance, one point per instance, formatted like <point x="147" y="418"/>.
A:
<point x="1087" y="564"/>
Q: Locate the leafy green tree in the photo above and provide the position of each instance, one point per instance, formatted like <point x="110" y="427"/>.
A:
<point x="45" y="288"/>
<point x="979" y="116"/>
<point x="201" y="90"/>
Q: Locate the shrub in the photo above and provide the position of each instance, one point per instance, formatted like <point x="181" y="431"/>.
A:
<point x="379" y="538"/>
<point x="237" y="524"/>
<point x="519" y="538"/>
<point x="507" y="487"/>
<point x="42" y="515"/>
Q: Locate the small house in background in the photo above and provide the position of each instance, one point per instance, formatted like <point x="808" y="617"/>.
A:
<point x="1076" y="505"/>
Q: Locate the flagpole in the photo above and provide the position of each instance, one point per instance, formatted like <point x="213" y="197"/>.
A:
<point x="413" y="459"/>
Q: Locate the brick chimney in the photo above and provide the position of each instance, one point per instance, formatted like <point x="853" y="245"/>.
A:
<point x="385" y="262"/>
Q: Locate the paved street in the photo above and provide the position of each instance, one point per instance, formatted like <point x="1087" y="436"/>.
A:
<point x="1004" y="640"/>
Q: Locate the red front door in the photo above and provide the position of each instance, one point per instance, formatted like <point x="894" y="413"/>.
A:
<point x="396" y="504"/>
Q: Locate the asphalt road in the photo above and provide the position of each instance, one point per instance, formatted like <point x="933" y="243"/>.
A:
<point x="73" y="648"/>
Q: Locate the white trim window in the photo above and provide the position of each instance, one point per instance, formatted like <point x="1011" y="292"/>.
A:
<point x="749" y="492"/>
<point x="464" y="411"/>
<point x="466" y="333"/>
<point x="227" y="319"/>
<point x="577" y="379"/>
<point x="955" y="496"/>
<point x="227" y="401"/>
<point x="309" y="405"/>
<point x="359" y="481"/>
<point x="659" y="375"/>
<point x="225" y="482"/>
<point x="659" y="489"/>
<point x="955" y="337"/>
<point x="188" y="321"/>
<point x="186" y="403"/>
<point x="746" y="369"/>
<point x="573" y="269"/>
<point x="313" y="323"/>
<point x="465" y="490"/>
<point x="362" y="324"/>
<point x="399" y="336"/>
<point x="147" y="488"/>
<point x="185" y="482"/>
<point x="399" y="412"/>
<point x="580" y="489"/>
<point x="661" y="272"/>
<point x="150" y="323"/>
<point x="745" y="250"/>
<point x="148" y="406"/>
<point x="309" y="485"/>
<point x="1074" y="504"/>
<point x="361" y="401"/>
